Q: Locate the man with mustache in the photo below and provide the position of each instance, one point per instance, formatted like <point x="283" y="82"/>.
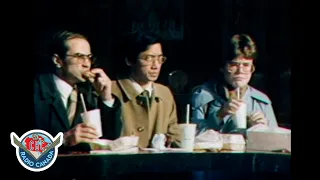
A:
<point x="215" y="102"/>
<point x="147" y="107"/>
<point x="56" y="94"/>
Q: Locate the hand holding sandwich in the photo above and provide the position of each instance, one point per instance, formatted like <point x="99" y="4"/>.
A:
<point x="101" y="82"/>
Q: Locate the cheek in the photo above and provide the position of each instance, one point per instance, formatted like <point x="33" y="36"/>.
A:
<point x="144" y="70"/>
<point x="228" y="76"/>
<point x="74" y="68"/>
<point x="248" y="77"/>
<point x="141" y="71"/>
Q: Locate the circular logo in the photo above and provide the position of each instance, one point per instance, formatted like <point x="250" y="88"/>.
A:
<point x="36" y="150"/>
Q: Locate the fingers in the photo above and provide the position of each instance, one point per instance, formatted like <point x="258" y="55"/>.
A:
<point x="89" y="75"/>
<point x="261" y="121"/>
<point x="99" y="79"/>
<point x="258" y="118"/>
<point x="100" y="73"/>
<point x="97" y="70"/>
<point x="86" y="140"/>
<point x="236" y="102"/>
<point x="101" y="83"/>
<point x="88" y="129"/>
<point x="85" y="133"/>
<point x="234" y="106"/>
<point x="80" y="133"/>
<point x="96" y="74"/>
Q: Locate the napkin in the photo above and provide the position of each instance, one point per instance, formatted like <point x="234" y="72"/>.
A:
<point x="159" y="141"/>
<point x="210" y="140"/>
<point x="125" y="142"/>
<point x="132" y="150"/>
<point x="233" y="142"/>
<point x="100" y="144"/>
<point x="120" y="144"/>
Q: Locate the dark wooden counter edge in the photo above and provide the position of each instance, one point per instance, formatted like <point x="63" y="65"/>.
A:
<point x="87" y="165"/>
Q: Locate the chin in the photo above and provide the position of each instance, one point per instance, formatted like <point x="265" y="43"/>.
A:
<point x="153" y="78"/>
<point x="239" y="84"/>
<point x="81" y="79"/>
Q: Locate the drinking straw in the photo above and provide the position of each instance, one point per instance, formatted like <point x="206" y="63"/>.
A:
<point x="238" y="93"/>
<point x="83" y="104"/>
<point x="187" y="113"/>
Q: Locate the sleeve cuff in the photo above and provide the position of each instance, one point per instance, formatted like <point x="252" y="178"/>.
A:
<point x="109" y="103"/>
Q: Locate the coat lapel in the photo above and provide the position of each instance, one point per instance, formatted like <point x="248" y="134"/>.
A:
<point x="50" y="93"/>
<point x="61" y="112"/>
<point x="128" y="89"/>
<point x="130" y="93"/>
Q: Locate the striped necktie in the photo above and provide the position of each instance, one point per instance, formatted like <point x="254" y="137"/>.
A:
<point x="72" y="105"/>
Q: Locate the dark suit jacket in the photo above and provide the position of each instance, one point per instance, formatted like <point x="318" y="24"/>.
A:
<point x="51" y="115"/>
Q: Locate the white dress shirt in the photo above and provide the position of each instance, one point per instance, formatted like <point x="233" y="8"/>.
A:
<point x="140" y="89"/>
<point x="65" y="90"/>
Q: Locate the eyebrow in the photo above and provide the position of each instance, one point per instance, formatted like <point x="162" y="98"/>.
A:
<point x="83" y="54"/>
<point x="153" y="54"/>
<point x="245" y="62"/>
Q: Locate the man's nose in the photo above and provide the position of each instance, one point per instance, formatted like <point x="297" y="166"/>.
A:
<point x="86" y="62"/>
<point x="155" y="65"/>
<point x="240" y="68"/>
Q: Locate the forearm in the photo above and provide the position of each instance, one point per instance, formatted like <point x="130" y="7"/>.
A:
<point x="213" y="120"/>
<point x="111" y="119"/>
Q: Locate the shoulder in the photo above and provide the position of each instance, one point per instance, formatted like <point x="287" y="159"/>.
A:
<point x="40" y="78"/>
<point x="114" y="82"/>
<point x="119" y="83"/>
<point x="162" y="91"/>
<point x="203" y="94"/>
<point x="42" y="81"/>
<point x="115" y="87"/>
<point x="259" y="96"/>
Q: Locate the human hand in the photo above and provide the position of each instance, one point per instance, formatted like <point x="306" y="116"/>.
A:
<point x="257" y="118"/>
<point x="229" y="108"/>
<point x="80" y="133"/>
<point x="101" y="82"/>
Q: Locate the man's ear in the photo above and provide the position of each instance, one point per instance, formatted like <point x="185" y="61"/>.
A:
<point x="57" y="61"/>
<point x="253" y="69"/>
<point x="128" y="62"/>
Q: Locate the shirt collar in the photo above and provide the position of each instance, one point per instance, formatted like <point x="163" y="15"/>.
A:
<point x="63" y="87"/>
<point x="139" y="88"/>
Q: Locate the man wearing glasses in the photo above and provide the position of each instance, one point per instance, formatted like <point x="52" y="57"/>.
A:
<point x="215" y="102"/>
<point x="147" y="108"/>
<point x="56" y="95"/>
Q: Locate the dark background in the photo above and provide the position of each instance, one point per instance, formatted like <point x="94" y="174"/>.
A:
<point x="193" y="30"/>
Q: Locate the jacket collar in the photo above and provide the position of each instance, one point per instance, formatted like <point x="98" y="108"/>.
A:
<point x="49" y="92"/>
<point x="217" y="88"/>
<point x="47" y="87"/>
<point x="131" y="93"/>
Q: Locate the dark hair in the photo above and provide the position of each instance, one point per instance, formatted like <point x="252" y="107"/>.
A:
<point x="58" y="45"/>
<point x="240" y="45"/>
<point x="137" y="42"/>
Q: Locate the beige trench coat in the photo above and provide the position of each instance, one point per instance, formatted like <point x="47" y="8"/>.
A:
<point x="142" y="120"/>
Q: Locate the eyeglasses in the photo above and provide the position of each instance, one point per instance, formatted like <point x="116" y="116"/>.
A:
<point x="150" y="59"/>
<point x="246" y="67"/>
<point x="82" y="57"/>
